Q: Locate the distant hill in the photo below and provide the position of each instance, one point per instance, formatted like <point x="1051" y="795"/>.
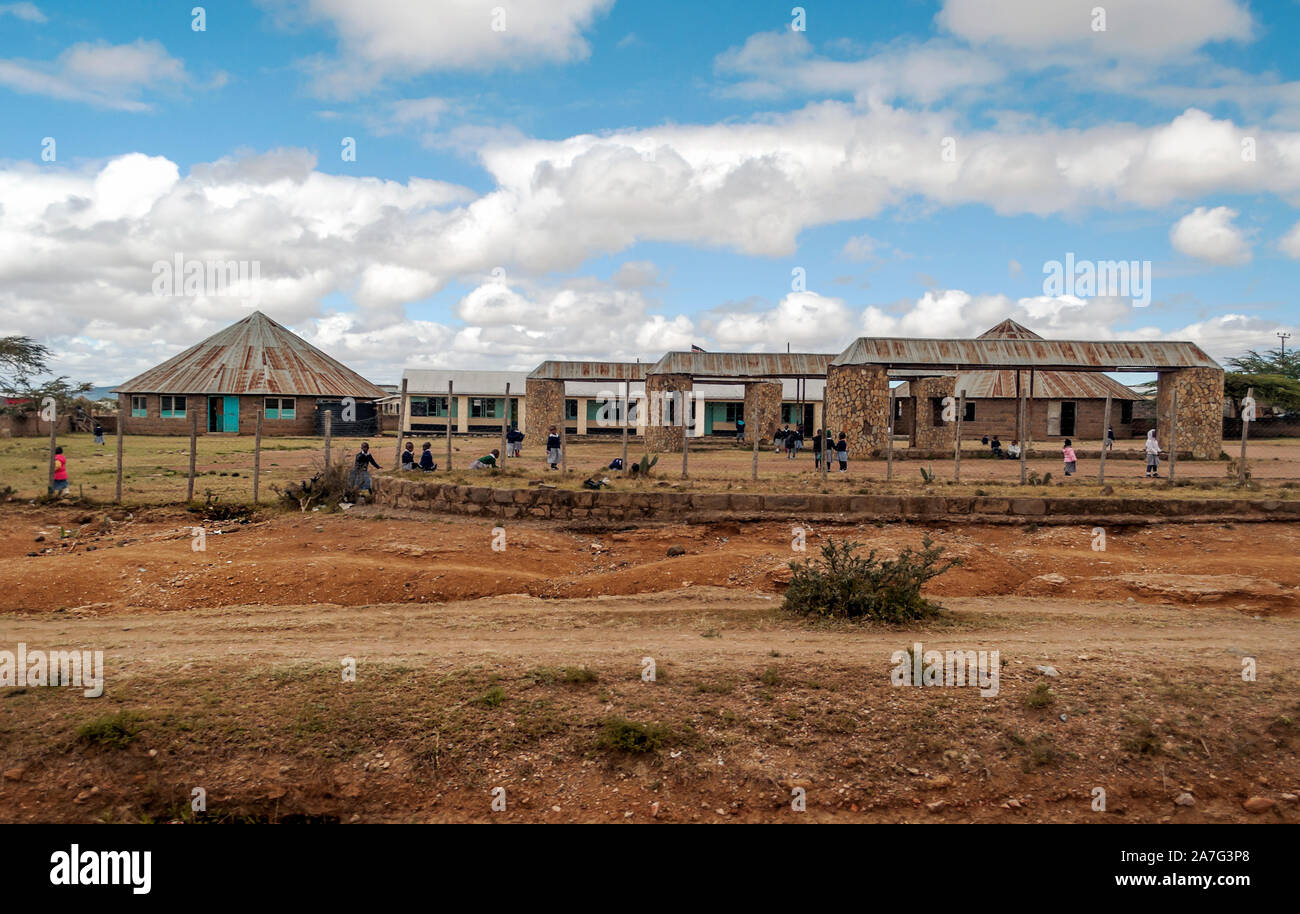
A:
<point x="101" y="393"/>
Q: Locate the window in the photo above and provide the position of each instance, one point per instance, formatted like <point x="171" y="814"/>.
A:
<point x="172" y="407"/>
<point x="1126" y="411"/>
<point x="571" y="409"/>
<point x="280" y="408"/>
<point x="419" y="406"/>
<point x="484" y="408"/>
<point x="936" y="405"/>
<point x="139" y="407"/>
<point x="898" y="408"/>
<point x="735" y="411"/>
<point x="969" y="415"/>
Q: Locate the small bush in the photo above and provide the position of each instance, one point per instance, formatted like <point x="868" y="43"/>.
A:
<point x="578" y="675"/>
<point x="1040" y="697"/>
<point x="846" y="585"/>
<point x="770" y="677"/>
<point x="623" y="735"/>
<point x="493" y="697"/>
<point x="327" y="488"/>
<point x="112" y="731"/>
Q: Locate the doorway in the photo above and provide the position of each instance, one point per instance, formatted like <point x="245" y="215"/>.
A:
<point x="223" y="414"/>
<point x="1067" y="418"/>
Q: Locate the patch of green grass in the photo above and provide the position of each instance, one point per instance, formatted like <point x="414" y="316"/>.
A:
<point x="1040" y="696"/>
<point x="623" y="735"/>
<point x="492" y="698"/>
<point x="770" y="676"/>
<point x="1144" y="740"/>
<point x="578" y="675"/>
<point x="110" y="731"/>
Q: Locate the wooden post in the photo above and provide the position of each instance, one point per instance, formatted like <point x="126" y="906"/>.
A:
<point x="257" y="456"/>
<point x="1245" y="432"/>
<point x="194" y="447"/>
<point x="401" y="425"/>
<point x="956" y="459"/>
<point x="505" y="418"/>
<point x="118" y="498"/>
<point x="686" y="427"/>
<point x="627" y="400"/>
<point x="54" y="424"/>
<point x="564" y="438"/>
<point x="450" y="401"/>
<point x="826" y="439"/>
<point x="889" y="439"/>
<point x="1024" y="445"/>
<point x="1105" y="430"/>
<point x="329" y="427"/>
<point x="1173" y="434"/>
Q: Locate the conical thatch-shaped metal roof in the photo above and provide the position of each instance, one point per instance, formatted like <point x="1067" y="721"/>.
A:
<point x="254" y="356"/>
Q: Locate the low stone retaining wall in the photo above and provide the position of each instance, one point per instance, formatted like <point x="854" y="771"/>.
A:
<point x="564" y="504"/>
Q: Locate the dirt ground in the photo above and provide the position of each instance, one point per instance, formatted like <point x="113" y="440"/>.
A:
<point x="479" y="669"/>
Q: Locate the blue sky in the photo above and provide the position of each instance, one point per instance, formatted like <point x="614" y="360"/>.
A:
<point x="603" y="178"/>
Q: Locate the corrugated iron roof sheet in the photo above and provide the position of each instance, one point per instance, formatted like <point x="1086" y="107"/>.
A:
<point x="469" y="382"/>
<point x="1046" y="355"/>
<point x="253" y="356"/>
<point x="744" y="364"/>
<point x="1048" y="385"/>
<point x="560" y="370"/>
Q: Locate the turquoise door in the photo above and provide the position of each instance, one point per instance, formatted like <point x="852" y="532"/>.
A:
<point x="230" y="414"/>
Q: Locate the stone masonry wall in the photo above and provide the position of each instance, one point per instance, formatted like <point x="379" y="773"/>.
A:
<point x="762" y="409"/>
<point x="928" y="434"/>
<point x="661" y="436"/>
<point x="543" y="407"/>
<point x="857" y="403"/>
<point x="1200" y="410"/>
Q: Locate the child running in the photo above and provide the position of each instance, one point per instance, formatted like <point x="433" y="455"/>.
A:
<point x="1071" y="461"/>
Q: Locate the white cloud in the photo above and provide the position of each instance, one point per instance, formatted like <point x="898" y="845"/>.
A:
<point x="99" y="74"/>
<point x="1135" y="28"/>
<point x="28" y="12"/>
<point x="860" y="247"/>
<point x="1290" y="243"/>
<point x="1211" y="236"/>
<point x="398" y="38"/>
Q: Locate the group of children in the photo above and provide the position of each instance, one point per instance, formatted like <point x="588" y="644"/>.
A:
<point x="791" y="441"/>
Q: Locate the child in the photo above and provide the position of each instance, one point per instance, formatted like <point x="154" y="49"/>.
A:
<point x="408" y="456"/>
<point x="1013" y="452"/>
<point x="99" y="433"/>
<point x="361" y="468"/>
<point x="426" y="457"/>
<point x="553" y="449"/>
<point x="514" y="442"/>
<point x="817" y="449"/>
<point x="60" y="472"/>
<point x="1110" y="437"/>
<point x="778" y="439"/>
<point x="996" y="446"/>
<point x="487" y="461"/>
<point x="1071" y="461"/>
<point x="1153" y="455"/>
<point x="842" y="453"/>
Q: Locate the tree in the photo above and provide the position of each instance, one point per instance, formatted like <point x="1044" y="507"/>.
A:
<point x="22" y="359"/>
<point x="1275" y="361"/>
<point x="1275" y="375"/>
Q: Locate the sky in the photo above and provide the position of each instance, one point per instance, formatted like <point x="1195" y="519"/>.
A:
<point x="467" y="184"/>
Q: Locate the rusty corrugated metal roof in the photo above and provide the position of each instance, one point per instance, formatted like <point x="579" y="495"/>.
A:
<point x="1045" y="355"/>
<point x="1048" y="385"/>
<point x="559" y="370"/>
<point x="253" y="356"/>
<point x="744" y="364"/>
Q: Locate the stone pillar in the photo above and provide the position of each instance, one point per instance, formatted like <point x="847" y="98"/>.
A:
<point x="544" y="407"/>
<point x="1200" y="411"/>
<point x="660" y="435"/>
<point x="857" y="403"/>
<point x="928" y="434"/>
<point x="762" y="409"/>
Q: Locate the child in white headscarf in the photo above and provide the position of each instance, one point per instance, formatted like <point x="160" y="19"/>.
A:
<point x="1153" y="455"/>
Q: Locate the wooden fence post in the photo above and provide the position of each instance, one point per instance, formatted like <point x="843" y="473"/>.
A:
<point x="401" y="425"/>
<point x="194" y="446"/>
<point x="1173" y="434"/>
<point x="1024" y="442"/>
<point x="505" y="419"/>
<point x="54" y="423"/>
<point x="889" y="439"/>
<point x="257" y="456"/>
<point x="1245" y="432"/>
<point x="329" y="426"/>
<point x="118" y="498"/>
<point x="450" y="402"/>
<point x="686" y="427"/>
<point x="1105" y="437"/>
<point x="627" y="401"/>
<point x="961" y="413"/>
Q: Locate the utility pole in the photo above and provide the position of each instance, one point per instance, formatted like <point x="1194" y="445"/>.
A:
<point x="1283" y="337"/>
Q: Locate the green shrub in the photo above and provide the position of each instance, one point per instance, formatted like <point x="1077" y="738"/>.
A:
<point x="1040" y="696"/>
<point x="493" y="697"/>
<point x="112" y="731"/>
<point x="578" y="675"/>
<point x="625" y="735"/>
<point x="850" y="586"/>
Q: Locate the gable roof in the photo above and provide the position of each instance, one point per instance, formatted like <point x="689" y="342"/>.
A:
<point x="253" y="356"/>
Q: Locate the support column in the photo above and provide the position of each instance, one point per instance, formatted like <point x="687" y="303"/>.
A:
<point x="857" y="403"/>
<point x="462" y="414"/>
<point x="544" y="407"/>
<point x="582" y="416"/>
<point x="660" y="435"/>
<point x="927" y="434"/>
<point x="1200" y="411"/>
<point x="762" y="408"/>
